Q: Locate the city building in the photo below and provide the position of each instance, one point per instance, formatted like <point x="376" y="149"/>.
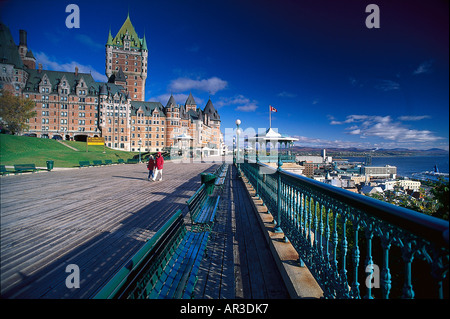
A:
<point x="73" y="106"/>
<point x="386" y="171"/>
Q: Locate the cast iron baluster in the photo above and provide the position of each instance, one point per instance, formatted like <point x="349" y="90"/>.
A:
<point x="304" y="215"/>
<point x="335" y="241"/>
<point x="438" y="271"/>
<point x="321" y="210"/>
<point x="385" y="272"/>
<point x="296" y="210"/>
<point x="316" y="212"/>
<point x="310" y="209"/>
<point x="369" y="260"/>
<point x="327" y="237"/>
<point x="302" y="222"/>
<point x="356" y="255"/>
<point x="344" y="245"/>
<point x="408" y="255"/>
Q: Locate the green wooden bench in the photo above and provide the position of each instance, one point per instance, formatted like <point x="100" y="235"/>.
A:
<point x="222" y="174"/>
<point x="84" y="163"/>
<point x="166" y="267"/>
<point x="97" y="162"/>
<point x="120" y="161"/>
<point x="4" y="171"/>
<point x="108" y="162"/>
<point x="132" y="161"/>
<point x="21" y="168"/>
<point x="202" y="208"/>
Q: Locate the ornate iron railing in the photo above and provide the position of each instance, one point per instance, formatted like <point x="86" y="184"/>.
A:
<point x="272" y="158"/>
<point x="350" y="241"/>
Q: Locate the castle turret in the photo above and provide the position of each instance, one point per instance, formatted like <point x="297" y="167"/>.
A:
<point x="129" y="52"/>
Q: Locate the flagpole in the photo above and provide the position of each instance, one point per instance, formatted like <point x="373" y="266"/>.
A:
<point x="270" y="117"/>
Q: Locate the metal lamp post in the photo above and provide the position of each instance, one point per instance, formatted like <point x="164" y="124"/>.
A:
<point x="140" y="143"/>
<point x="238" y="131"/>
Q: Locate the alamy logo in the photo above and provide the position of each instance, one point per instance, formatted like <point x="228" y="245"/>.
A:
<point x="73" y="279"/>
<point x="73" y="19"/>
<point x="373" y="279"/>
<point x="373" y="19"/>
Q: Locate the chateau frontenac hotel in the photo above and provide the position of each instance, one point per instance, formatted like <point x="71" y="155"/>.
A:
<point x="73" y="106"/>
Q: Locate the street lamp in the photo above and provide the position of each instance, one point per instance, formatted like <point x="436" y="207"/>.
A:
<point x="140" y="143"/>
<point x="234" y="150"/>
<point x="238" y="131"/>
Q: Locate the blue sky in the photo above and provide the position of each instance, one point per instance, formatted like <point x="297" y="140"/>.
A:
<point x="334" y="82"/>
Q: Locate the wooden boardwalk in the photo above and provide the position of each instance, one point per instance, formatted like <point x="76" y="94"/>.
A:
<point x="97" y="218"/>
<point x="239" y="263"/>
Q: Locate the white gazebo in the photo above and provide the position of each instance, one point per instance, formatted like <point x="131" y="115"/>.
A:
<point x="182" y="142"/>
<point x="274" y="143"/>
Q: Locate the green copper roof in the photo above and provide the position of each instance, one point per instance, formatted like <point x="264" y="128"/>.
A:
<point x="110" y="38"/>
<point x="144" y="43"/>
<point x="127" y="31"/>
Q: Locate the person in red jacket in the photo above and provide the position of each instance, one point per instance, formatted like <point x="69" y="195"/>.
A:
<point x="151" y="167"/>
<point x="159" y="163"/>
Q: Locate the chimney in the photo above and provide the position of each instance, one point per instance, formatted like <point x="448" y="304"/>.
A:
<point x="76" y="71"/>
<point x="40" y="68"/>
<point x="23" y="37"/>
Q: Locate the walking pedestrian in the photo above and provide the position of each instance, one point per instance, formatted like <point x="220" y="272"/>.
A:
<point x="151" y="167"/>
<point x="159" y="163"/>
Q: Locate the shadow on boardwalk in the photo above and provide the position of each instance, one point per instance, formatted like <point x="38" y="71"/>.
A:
<point x="95" y="218"/>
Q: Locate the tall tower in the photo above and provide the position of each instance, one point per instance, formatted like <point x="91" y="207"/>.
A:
<point x="128" y="52"/>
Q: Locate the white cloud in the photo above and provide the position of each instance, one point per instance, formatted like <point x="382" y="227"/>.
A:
<point x="51" y="64"/>
<point x="384" y="127"/>
<point x="286" y="94"/>
<point x="240" y="102"/>
<point x="87" y="40"/>
<point x="211" y="85"/>
<point x="317" y="142"/>
<point x="387" y="85"/>
<point x="424" y="67"/>
<point x="247" y="108"/>
<point x="413" y="118"/>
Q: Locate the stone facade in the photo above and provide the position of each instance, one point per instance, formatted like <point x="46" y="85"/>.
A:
<point x="73" y="106"/>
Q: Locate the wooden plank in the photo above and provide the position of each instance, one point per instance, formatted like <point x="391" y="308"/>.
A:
<point x="94" y="218"/>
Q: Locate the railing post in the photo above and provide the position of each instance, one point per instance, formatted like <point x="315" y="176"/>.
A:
<point x="408" y="255"/>
<point x="385" y="272"/>
<point x="258" y="169"/>
<point x="369" y="260"/>
<point x="277" y="228"/>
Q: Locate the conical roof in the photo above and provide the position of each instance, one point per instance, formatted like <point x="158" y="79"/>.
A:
<point x="110" y="39"/>
<point x="190" y="100"/>
<point x="171" y="101"/>
<point x="211" y="111"/>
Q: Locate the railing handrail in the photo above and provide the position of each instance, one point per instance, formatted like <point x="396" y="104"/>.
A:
<point x="429" y="227"/>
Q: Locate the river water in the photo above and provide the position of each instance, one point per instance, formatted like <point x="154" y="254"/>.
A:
<point x="407" y="165"/>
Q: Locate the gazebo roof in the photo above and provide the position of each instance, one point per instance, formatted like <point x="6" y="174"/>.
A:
<point x="271" y="135"/>
<point x="183" y="137"/>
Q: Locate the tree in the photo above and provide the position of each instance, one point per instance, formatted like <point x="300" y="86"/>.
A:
<point x="441" y="194"/>
<point x="15" y="111"/>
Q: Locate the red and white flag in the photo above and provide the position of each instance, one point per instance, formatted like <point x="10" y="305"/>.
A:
<point x="272" y="109"/>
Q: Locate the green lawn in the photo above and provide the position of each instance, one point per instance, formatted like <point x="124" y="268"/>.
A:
<point x="31" y="150"/>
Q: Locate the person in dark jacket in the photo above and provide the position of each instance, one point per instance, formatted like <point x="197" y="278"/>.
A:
<point x="159" y="163"/>
<point x="151" y="167"/>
